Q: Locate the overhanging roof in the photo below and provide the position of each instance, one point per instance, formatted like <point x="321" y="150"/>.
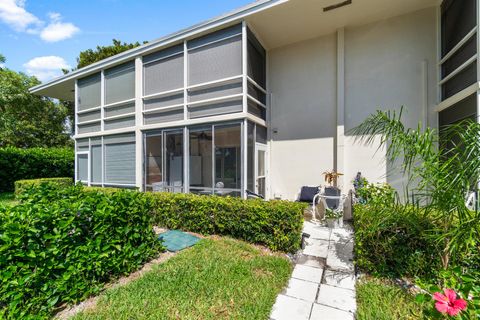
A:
<point x="276" y="23"/>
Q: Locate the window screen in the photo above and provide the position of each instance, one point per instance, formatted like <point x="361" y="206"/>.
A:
<point x="96" y="164"/>
<point x="163" y="71"/>
<point x="256" y="60"/>
<point x="458" y="18"/>
<point x="218" y="91"/>
<point x="89" y="92"/>
<point x="211" y="58"/>
<point x="82" y="167"/>
<point x="214" y="109"/>
<point x="120" y="83"/>
<point x="120" y="163"/>
<point x="465" y="78"/>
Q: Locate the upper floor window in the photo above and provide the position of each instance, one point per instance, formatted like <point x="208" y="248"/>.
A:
<point x="120" y="83"/>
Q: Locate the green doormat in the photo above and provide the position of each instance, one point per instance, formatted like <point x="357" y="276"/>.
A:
<point x="175" y="240"/>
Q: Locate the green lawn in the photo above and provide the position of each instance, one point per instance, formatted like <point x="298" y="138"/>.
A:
<point x="216" y="279"/>
<point x="380" y="300"/>
<point x="7" y="198"/>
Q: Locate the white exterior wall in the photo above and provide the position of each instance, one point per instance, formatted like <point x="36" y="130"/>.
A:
<point x="388" y="64"/>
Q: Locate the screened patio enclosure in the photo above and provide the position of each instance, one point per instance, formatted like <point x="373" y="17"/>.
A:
<point x="206" y="159"/>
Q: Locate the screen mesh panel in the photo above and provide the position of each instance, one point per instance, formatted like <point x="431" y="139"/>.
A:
<point x="256" y="93"/>
<point x="250" y="156"/>
<point x="467" y="51"/>
<point x="123" y="109"/>
<point x="166" y="101"/>
<point x="120" y="163"/>
<point x="256" y="60"/>
<point x="465" y="78"/>
<point x="120" y="83"/>
<point x="88" y="128"/>
<point x="119" y="138"/>
<point x="467" y="108"/>
<point x="96" y="165"/>
<point x="215" y="36"/>
<point x="89" y="92"/>
<point x="163" y="75"/>
<point x="215" y="61"/>
<point x="215" y="109"/>
<point x="119" y="123"/>
<point x="256" y="110"/>
<point x="164" y="116"/>
<point x="95" y="115"/>
<point x="458" y="18"/>
<point x="261" y="134"/>
<point x="82" y="167"/>
<point x="82" y="144"/>
<point x="215" y="92"/>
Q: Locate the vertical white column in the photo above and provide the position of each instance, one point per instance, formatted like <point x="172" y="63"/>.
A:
<point x="75" y="128"/>
<point x="138" y="123"/>
<point x="244" y="130"/>
<point x="244" y="66"/>
<point x="186" y="148"/>
<point x="102" y="100"/>
<point x="340" y="136"/>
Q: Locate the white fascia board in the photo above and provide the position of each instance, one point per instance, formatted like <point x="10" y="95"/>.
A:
<point x="165" y="41"/>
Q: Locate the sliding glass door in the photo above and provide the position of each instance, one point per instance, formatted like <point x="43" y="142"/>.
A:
<point x="164" y="161"/>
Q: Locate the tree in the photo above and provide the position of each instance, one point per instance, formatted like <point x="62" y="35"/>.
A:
<point x="440" y="175"/>
<point x="2" y="58"/>
<point x="27" y="120"/>
<point x="90" y="56"/>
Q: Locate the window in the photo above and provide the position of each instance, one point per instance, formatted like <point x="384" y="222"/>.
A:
<point x="163" y="70"/>
<point x="89" y="92"/>
<point x="215" y="56"/>
<point x="215" y="160"/>
<point x="120" y="159"/>
<point x="120" y="83"/>
<point x="459" y="18"/>
<point x="82" y="167"/>
<point x="164" y="161"/>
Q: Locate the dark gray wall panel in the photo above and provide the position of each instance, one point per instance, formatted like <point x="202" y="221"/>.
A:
<point x="96" y="164"/>
<point x="82" y="167"/>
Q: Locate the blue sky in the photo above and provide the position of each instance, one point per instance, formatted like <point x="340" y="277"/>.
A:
<point x="40" y="37"/>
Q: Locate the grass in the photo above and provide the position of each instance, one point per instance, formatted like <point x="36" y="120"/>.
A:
<point x="216" y="279"/>
<point x="8" y="198"/>
<point x="380" y="300"/>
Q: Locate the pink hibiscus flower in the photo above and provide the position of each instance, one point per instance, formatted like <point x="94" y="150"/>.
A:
<point x="449" y="303"/>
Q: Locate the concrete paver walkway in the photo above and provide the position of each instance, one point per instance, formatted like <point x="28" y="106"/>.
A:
<point x="322" y="285"/>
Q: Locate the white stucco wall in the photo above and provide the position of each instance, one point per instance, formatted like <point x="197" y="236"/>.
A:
<point x="384" y="64"/>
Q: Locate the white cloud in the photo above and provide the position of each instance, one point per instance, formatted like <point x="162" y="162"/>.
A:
<point x="46" y="68"/>
<point x="57" y="31"/>
<point x="14" y="14"/>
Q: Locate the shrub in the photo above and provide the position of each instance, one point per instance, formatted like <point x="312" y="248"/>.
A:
<point x="395" y="241"/>
<point x="17" y="164"/>
<point x="275" y="224"/>
<point x="61" y="245"/>
<point x="23" y="185"/>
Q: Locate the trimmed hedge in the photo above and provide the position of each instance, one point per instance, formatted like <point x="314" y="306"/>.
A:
<point x="275" y="224"/>
<point x="22" y="186"/>
<point x="61" y="245"/>
<point x="395" y="241"/>
<point x="18" y="164"/>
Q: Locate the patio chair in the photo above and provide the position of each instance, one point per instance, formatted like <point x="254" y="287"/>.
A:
<point x="471" y="200"/>
<point x="253" y="195"/>
<point x="309" y="195"/>
<point x="332" y="199"/>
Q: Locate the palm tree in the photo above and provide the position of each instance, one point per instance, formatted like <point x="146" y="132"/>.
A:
<point x="439" y="177"/>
